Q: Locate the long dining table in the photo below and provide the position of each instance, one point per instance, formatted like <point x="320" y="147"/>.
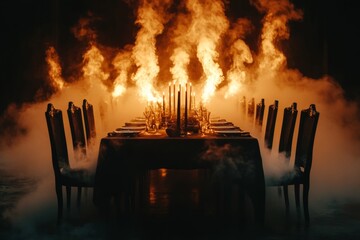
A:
<point x="123" y="157"/>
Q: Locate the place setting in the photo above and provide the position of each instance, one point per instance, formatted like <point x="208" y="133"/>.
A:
<point x="130" y="129"/>
<point x="177" y="119"/>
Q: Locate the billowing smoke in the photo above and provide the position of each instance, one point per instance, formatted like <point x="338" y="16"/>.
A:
<point x="229" y="165"/>
<point x="208" y="25"/>
<point x="275" y="28"/>
<point x="151" y="19"/>
<point x="111" y="79"/>
<point x="122" y="63"/>
<point x="180" y="57"/>
<point x="241" y="54"/>
<point x="52" y="60"/>
<point x="93" y="61"/>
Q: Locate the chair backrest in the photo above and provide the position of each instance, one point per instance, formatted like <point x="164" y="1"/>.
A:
<point x="287" y="129"/>
<point x="270" y="124"/>
<point x="306" y="135"/>
<point x="251" y="108"/>
<point x="89" y="121"/>
<point x="55" y="124"/>
<point x="243" y="106"/>
<point x="77" y="128"/>
<point x="259" y="116"/>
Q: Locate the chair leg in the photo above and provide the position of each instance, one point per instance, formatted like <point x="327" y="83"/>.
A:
<point x="306" y="203"/>
<point x="79" y="197"/>
<point x="297" y="200"/>
<point x="286" y="198"/>
<point x="68" y="197"/>
<point x="59" y="196"/>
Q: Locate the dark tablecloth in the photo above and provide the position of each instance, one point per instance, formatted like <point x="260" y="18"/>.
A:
<point x="236" y="158"/>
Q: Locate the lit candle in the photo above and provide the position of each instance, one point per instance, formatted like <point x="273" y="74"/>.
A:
<point x="186" y="109"/>
<point x="170" y="100"/>
<point x="178" y="111"/>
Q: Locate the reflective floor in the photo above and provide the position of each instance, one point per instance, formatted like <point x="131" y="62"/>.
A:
<point x="178" y="205"/>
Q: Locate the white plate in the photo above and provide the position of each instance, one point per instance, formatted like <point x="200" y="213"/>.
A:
<point x="224" y="127"/>
<point x="138" y="119"/>
<point x="134" y="128"/>
<point x="232" y="133"/>
<point x="218" y="120"/>
<point x="126" y="131"/>
<point x="222" y="123"/>
<point x="123" y="133"/>
<point x="133" y="124"/>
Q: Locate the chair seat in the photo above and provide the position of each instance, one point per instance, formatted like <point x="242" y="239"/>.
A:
<point x="77" y="177"/>
<point x="295" y="176"/>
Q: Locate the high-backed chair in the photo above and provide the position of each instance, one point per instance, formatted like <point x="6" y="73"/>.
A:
<point x="251" y="108"/>
<point x="285" y="143"/>
<point x="77" y="131"/>
<point x="270" y="124"/>
<point x="89" y="121"/>
<point x="64" y="174"/>
<point x="243" y="107"/>
<point x="287" y="130"/>
<point x="300" y="175"/>
<point x="259" y="115"/>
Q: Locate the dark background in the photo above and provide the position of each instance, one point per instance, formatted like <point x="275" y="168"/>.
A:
<point x="324" y="42"/>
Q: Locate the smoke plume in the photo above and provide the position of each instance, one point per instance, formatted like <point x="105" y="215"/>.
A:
<point x="118" y="81"/>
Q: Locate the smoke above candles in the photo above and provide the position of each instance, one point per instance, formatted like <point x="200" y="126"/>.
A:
<point x="193" y="42"/>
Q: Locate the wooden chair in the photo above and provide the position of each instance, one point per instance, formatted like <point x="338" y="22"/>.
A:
<point x="64" y="174"/>
<point x="89" y="121"/>
<point x="251" y="108"/>
<point x="77" y="131"/>
<point x="243" y="107"/>
<point x="287" y="130"/>
<point x="270" y="124"/>
<point x="285" y="144"/>
<point x="259" y="115"/>
<point x="300" y="175"/>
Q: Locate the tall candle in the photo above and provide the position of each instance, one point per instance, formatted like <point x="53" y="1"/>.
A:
<point x="174" y="97"/>
<point x="164" y="104"/>
<point x="170" y="100"/>
<point x="190" y="96"/>
<point x="178" y="111"/>
<point x="186" y="109"/>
